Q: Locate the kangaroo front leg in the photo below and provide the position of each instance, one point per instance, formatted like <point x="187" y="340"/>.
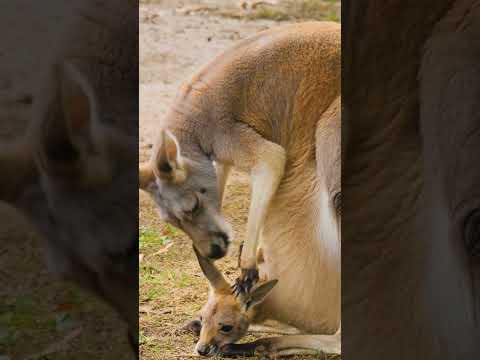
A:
<point x="265" y="161"/>
<point x="222" y="170"/>
<point x="285" y="346"/>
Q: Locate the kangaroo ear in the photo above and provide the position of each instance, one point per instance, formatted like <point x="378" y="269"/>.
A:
<point x="168" y="160"/>
<point x="259" y="293"/>
<point x="145" y="175"/>
<point x="66" y="140"/>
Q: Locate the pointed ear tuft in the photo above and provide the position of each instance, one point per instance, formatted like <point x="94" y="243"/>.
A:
<point x="168" y="160"/>
<point x="258" y="294"/>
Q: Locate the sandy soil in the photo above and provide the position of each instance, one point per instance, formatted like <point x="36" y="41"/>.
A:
<point x="173" y="46"/>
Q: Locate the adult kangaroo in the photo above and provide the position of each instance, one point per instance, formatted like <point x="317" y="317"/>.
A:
<point x="256" y="108"/>
<point x="411" y="180"/>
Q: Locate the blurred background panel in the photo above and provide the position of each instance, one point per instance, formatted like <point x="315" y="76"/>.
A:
<point x="43" y="314"/>
<point x="410" y="202"/>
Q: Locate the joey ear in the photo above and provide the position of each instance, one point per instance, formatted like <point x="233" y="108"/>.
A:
<point x="145" y="175"/>
<point x="258" y="294"/>
<point x="168" y="160"/>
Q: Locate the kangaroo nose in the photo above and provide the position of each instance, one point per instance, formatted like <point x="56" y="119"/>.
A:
<point x="216" y="252"/>
<point x="220" y="245"/>
<point x="223" y="236"/>
<point x="203" y="350"/>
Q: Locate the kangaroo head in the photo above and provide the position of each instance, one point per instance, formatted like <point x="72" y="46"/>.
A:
<point x="88" y="176"/>
<point x="225" y="318"/>
<point x="186" y="193"/>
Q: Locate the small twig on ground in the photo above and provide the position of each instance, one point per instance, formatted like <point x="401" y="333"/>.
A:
<point x="162" y="250"/>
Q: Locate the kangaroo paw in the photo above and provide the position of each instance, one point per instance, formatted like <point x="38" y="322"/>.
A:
<point x="194" y="327"/>
<point x="247" y="280"/>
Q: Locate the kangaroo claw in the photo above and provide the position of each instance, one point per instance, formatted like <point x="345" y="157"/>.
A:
<point x="194" y="326"/>
<point x="247" y="280"/>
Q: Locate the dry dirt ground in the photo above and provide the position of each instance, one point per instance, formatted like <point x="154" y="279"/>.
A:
<point x="176" y="37"/>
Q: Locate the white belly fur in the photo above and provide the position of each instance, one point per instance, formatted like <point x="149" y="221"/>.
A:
<point x="301" y="249"/>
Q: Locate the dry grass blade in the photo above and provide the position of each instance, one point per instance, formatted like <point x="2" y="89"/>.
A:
<point x="163" y="250"/>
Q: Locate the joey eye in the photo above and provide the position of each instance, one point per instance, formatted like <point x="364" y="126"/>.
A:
<point x="226" y="328"/>
<point x="472" y="233"/>
<point x="203" y="191"/>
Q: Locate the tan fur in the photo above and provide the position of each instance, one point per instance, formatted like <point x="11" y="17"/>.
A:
<point x="269" y="107"/>
<point x="228" y="115"/>
<point x="252" y="312"/>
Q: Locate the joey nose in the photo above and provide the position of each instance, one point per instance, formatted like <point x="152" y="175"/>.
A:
<point x="203" y="350"/>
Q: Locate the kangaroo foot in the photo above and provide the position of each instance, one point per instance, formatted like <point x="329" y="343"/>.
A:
<point x="251" y="349"/>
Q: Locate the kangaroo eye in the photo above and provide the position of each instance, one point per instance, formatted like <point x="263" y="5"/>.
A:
<point x="203" y="191"/>
<point x="226" y="328"/>
<point x="195" y="206"/>
<point x="472" y="233"/>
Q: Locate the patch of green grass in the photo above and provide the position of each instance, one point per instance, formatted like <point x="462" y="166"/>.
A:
<point x="145" y="339"/>
<point x="154" y="286"/>
<point x="150" y="237"/>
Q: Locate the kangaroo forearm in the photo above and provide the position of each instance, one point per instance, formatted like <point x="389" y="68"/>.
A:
<point x="264" y="185"/>
<point x="223" y="170"/>
<point x="265" y="161"/>
<point x="265" y="178"/>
